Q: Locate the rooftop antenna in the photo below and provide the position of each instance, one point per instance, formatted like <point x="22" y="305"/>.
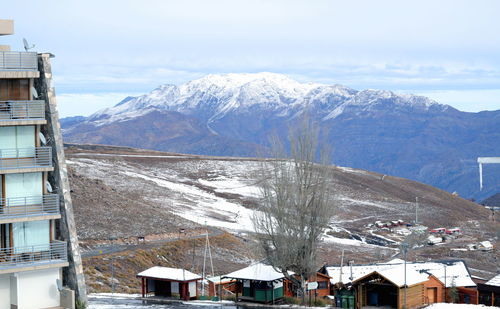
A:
<point x="485" y="160"/>
<point x="27" y="47"/>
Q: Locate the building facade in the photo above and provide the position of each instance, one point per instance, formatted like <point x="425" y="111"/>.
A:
<point x="40" y="264"/>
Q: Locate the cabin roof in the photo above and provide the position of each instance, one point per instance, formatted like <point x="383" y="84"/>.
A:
<point x="495" y="281"/>
<point x="167" y="273"/>
<point x="258" y="272"/>
<point x="456" y="271"/>
<point x="395" y="275"/>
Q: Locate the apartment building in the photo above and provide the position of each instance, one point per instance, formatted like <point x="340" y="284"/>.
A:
<point x="40" y="265"/>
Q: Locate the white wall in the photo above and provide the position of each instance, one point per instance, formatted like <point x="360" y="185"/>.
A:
<point x="38" y="289"/>
<point x="4" y="291"/>
<point x="174" y="287"/>
<point x="192" y="289"/>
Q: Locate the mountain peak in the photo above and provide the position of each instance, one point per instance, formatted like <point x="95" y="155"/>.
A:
<point x="215" y="95"/>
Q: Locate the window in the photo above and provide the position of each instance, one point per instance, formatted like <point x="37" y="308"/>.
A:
<point x="322" y="285"/>
<point x="23" y="185"/>
<point x="28" y="234"/>
<point x="18" y="137"/>
<point x="14" y="89"/>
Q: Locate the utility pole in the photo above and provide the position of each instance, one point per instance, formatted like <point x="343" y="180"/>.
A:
<point x="341" y="265"/>
<point x="416" y="210"/>
<point x="405" y="249"/>
<point x="445" y="283"/>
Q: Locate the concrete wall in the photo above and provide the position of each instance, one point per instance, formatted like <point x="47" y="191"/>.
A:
<point x="4" y="291"/>
<point x="6" y="26"/>
<point x="66" y="228"/>
<point x="38" y="289"/>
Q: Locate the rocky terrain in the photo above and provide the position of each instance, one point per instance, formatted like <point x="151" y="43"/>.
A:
<point x="129" y="202"/>
<point x="234" y="114"/>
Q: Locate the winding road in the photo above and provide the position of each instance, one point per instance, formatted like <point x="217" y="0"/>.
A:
<point x="116" y="248"/>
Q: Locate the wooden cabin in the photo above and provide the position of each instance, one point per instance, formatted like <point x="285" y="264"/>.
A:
<point x="452" y="273"/>
<point x="221" y="287"/>
<point x="386" y="288"/>
<point x="489" y="292"/>
<point x="258" y="283"/>
<point x="169" y="282"/>
<point x="321" y="291"/>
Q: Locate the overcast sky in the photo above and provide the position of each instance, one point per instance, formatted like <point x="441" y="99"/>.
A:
<point x="106" y="50"/>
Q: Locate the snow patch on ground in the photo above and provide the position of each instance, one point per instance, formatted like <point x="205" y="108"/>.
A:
<point x="457" y="306"/>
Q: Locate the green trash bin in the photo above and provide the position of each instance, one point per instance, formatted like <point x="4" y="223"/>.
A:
<point x="345" y="302"/>
<point x="351" y="301"/>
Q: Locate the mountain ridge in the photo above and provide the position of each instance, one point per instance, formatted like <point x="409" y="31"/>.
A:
<point x="234" y="114"/>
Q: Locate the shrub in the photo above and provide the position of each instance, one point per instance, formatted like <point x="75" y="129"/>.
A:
<point x="80" y="304"/>
<point x="291" y="300"/>
<point x="320" y="302"/>
<point x="230" y="297"/>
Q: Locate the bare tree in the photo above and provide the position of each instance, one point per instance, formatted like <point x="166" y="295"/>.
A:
<point x="296" y="206"/>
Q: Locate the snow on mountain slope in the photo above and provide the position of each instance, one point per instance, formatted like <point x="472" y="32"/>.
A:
<point x="213" y="96"/>
<point x="223" y="192"/>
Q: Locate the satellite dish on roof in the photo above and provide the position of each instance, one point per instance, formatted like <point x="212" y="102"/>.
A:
<point x="34" y="93"/>
<point x="42" y="138"/>
<point x="49" y="186"/>
<point x="27" y="47"/>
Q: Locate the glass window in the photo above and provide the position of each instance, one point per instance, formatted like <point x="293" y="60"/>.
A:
<point x="31" y="236"/>
<point x="19" y="137"/>
<point x="18" y="186"/>
<point x="8" y="137"/>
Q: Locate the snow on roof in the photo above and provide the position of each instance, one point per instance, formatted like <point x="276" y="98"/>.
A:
<point x="220" y="279"/>
<point x="495" y="281"/>
<point x="395" y="275"/>
<point x="456" y="271"/>
<point x="175" y="274"/>
<point x="258" y="271"/>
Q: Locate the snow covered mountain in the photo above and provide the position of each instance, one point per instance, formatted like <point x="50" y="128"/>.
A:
<point x="218" y="95"/>
<point x="234" y="114"/>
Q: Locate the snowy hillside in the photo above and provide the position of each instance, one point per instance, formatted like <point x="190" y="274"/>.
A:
<point x="235" y="114"/>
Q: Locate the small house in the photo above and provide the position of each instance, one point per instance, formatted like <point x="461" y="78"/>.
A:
<point x="442" y="276"/>
<point x="258" y="283"/>
<point x="318" y="285"/>
<point x="169" y="282"/>
<point x="218" y="286"/>
<point x="489" y="292"/>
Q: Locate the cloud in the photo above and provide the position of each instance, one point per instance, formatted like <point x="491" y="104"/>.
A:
<point x="121" y="46"/>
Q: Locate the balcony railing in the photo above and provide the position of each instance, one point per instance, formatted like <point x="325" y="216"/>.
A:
<point x="19" y="110"/>
<point x="32" y="157"/>
<point x="38" y="254"/>
<point x="19" y="207"/>
<point x="18" y="61"/>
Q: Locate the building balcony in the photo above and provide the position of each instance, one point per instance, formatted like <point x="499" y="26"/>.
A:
<point x="26" y="160"/>
<point x="31" y="208"/>
<point x="22" y="113"/>
<point x="11" y="60"/>
<point x="27" y="258"/>
<point x="18" y="64"/>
